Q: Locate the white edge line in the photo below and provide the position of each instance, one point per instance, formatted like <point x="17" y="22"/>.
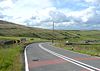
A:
<point x="68" y="59"/>
<point x="26" y="61"/>
<point x="79" y="61"/>
<point x="73" y="51"/>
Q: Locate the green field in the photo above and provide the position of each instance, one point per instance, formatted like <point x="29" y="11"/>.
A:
<point x="11" y="55"/>
<point x="91" y="49"/>
<point x="11" y="29"/>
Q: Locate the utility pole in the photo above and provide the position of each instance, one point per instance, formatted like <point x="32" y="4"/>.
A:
<point x="53" y="32"/>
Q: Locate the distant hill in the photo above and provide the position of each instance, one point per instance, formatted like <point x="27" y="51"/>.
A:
<point x="11" y="29"/>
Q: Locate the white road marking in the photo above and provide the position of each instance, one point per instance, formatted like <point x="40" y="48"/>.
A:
<point x="26" y="61"/>
<point x="75" y="52"/>
<point x="86" y="66"/>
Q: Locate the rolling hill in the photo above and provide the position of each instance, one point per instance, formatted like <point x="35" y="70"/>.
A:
<point x="11" y="29"/>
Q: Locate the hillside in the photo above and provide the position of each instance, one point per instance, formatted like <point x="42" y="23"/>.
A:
<point x="11" y="29"/>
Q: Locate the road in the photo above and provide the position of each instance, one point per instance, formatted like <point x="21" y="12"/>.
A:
<point x="45" y="57"/>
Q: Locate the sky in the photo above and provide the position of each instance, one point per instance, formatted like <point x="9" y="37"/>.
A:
<point x="66" y="14"/>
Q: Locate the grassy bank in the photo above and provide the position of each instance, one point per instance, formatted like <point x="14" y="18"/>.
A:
<point x="11" y="58"/>
<point x="93" y="50"/>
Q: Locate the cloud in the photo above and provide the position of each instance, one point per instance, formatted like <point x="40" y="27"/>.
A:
<point x="5" y="4"/>
<point x="67" y="14"/>
<point x="23" y="7"/>
<point x="93" y="1"/>
<point x="58" y="16"/>
<point x="73" y="5"/>
<point x="82" y="15"/>
<point x="46" y="16"/>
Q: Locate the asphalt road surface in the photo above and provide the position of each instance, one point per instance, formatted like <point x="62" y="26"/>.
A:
<point x="45" y="57"/>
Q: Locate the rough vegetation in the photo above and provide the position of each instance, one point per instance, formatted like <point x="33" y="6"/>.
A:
<point x="87" y="42"/>
<point x="11" y="29"/>
<point x="11" y="57"/>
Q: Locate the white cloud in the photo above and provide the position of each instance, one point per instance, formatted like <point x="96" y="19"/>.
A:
<point x="41" y="12"/>
<point x="6" y="4"/>
<point x="84" y="15"/>
<point x="24" y="8"/>
<point x="92" y="1"/>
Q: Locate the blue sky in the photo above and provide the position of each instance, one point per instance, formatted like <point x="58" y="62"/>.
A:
<point x="67" y="14"/>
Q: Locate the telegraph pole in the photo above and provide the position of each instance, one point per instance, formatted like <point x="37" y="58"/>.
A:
<point x="53" y="32"/>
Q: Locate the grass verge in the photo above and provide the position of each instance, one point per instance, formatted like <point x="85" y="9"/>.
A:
<point x="11" y="58"/>
<point x="93" y="50"/>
